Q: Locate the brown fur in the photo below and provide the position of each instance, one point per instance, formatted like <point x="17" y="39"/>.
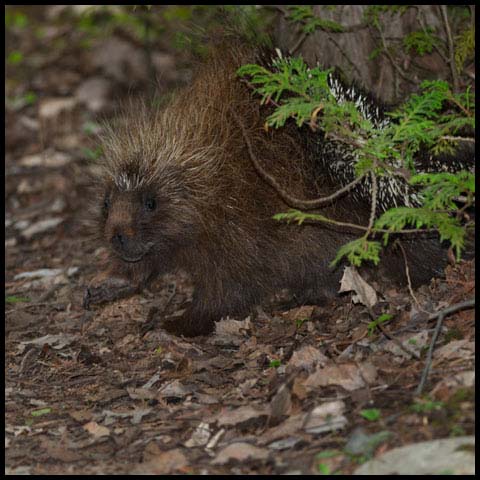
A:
<point x="213" y="214"/>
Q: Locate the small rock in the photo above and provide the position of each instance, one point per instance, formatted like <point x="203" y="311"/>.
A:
<point x="58" y="205"/>
<point x="48" y="158"/>
<point x="42" y="273"/>
<point x="10" y="242"/>
<point x="364" y="443"/>
<point x="21" y="224"/>
<point x="72" y="271"/>
<point x="120" y="60"/>
<point x="41" y="226"/>
<point x="164" y="64"/>
<point x="94" y="93"/>
<point x="50" y="108"/>
<point x="454" y="456"/>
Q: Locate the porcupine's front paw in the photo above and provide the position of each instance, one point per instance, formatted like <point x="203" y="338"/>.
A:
<point x="104" y="290"/>
<point x="190" y="324"/>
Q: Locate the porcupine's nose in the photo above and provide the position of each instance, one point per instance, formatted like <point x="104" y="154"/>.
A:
<point x="122" y="239"/>
<point x="119" y="240"/>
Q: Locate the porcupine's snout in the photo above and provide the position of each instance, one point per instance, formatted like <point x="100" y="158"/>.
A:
<point x="122" y="233"/>
<point x="127" y="246"/>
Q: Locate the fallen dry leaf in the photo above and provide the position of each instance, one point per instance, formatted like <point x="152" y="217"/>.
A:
<point x="241" y="417"/>
<point x="232" y="327"/>
<point x="411" y="342"/>
<point x="326" y="417"/>
<point x="55" y="341"/>
<point x="350" y="376"/>
<point x="141" y="393"/>
<point x="165" y="463"/>
<point x="353" y="281"/>
<point x="53" y="107"/>
<point x="81" y="415"/>
<point x="307" y="358"/>
<point x="175" y="389"/>
<point x="240" y="451"/>
<point x="287" y="428"/>
<point x="455" y="349"/>
<point x="96" y="430"/>
<point x="136" y="414"/>
<point x="280" y="404"/>
<point x="300" y="313"/>
<point x="200" y="436"/>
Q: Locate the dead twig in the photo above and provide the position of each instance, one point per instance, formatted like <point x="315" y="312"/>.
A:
<point x="298" y="43"/>
<point x="397" y="342"/>
<point x="286" y="197"/>
<point x="451" y="49"/>
<point x="407" y="273"/>
<point x="440" y="315"/>
<point x="395" y="65"/>
<point x="373" y="210"/>
<point x="422" y="21"/>
<point x="458" y="139"/>
<point x="344" y="54"/>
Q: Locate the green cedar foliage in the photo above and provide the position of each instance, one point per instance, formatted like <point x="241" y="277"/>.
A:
<point x="428" y="121"/>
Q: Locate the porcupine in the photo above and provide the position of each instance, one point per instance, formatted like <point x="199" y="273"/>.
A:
<point x="181" y="192"/>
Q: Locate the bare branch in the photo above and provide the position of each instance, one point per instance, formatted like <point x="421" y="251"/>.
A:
<point x="394" y="64"/>
<point x="286" y="197"/>
<point x="407" y="274"/>
<point x="458" y="139"/>
<point x="374" y="202"/>
<point x="342" y="51"/>
<point x="440" y="315"/>
<point x="451" y="49"/>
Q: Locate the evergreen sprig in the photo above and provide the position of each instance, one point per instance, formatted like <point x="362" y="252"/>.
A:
<point x="427" y="121"/>
<point x="448" y="227"/>
<point x="441" y="190"/>
<point x="421" y="41"/>
<point x="359" y="251"/>
<point x="310" y="22"/>
<point x="464" y="47"/>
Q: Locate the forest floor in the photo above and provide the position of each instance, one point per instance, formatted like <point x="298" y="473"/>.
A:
<point x="309" y="390"/>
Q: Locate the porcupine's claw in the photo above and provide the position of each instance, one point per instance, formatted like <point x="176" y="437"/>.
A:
<point x="108" y="291"/>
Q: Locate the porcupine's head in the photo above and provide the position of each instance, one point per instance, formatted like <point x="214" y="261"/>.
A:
<point x="149" y="200"/>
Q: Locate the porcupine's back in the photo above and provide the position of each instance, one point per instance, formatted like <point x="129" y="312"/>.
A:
<point x="276" y="255"/>
<point x="242" y="254"/>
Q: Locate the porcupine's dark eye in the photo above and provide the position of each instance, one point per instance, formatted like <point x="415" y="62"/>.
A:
<point x="106" y="205"/>
<point x="150" y="203"/>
